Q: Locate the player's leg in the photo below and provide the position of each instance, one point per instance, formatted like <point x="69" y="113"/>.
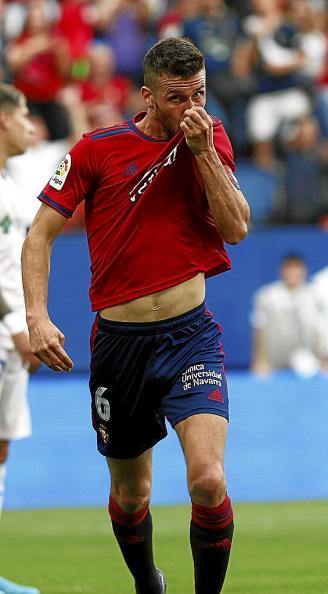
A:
<point x="4" y="444"/>
<point x="14" y="424"/>
<point x="131" y="519"/>
<point x="203" y="437"/>
<point x="128" y="425"/>
<point x="14" y="411"/>
<point x="4" y="449"/>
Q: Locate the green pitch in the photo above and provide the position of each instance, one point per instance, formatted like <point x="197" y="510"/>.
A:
<point x="278" y="549"/>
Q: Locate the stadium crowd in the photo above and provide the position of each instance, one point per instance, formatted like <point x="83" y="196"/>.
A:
<point x="79" y="63"/>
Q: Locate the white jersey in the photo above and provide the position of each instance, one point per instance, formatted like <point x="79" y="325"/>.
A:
<point x="320" y="290"/>
<point x="290" y="319"/>
<point x="32" y="170"/>
<point x="12" y="235"/>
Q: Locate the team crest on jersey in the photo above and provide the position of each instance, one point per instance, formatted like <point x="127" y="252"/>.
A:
<point x="103" y="432"/>
<point x="59" y="177"/>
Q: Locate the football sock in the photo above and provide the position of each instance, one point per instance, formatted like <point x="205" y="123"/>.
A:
<point x="211" y="531"/>
<point x="2" y="485"/>
<point x="133" y="533"/>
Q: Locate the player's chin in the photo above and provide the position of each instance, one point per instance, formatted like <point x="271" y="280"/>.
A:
<point x="174" y="129"/>
<point x="20" y="150"/>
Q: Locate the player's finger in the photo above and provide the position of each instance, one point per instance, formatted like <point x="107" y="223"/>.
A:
<point x="202" y="112"/>
<point x="53" y="360"/>
<point x="185" y="128"/>
<point x="194" y="116"/>
<point x="56" y="368"/>
<point x="192" y="129"/>
<point x="62" y="358"/>
<point x="49" y="362"/>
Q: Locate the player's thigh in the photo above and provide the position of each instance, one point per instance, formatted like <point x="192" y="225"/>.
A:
<point x="203" y="439"/>
<point x="131" y="480"/>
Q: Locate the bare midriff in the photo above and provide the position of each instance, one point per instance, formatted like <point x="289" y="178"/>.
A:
<point x="162" y="305"/>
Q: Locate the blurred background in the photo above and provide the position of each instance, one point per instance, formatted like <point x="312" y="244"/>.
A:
<point x="79" y="62"/>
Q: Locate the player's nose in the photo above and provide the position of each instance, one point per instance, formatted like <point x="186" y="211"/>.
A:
<point x="190" y="103"/>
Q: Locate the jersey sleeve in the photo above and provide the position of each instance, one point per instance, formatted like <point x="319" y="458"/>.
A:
<point x="72" y="180"/>
<point x="224" y="150"/>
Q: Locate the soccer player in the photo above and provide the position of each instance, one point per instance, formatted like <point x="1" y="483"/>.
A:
<point x="16" y="357"/>
<point x="160" y="200"/>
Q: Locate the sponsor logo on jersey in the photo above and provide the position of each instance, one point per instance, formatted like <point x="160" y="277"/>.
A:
<point x="216" y="396"/>
<point x="150" y="175"/>
<point x="130" y="170"/>
<point x="59" y="177"/>
<point x="224" y="544"/>
<point x="198" y="375"/>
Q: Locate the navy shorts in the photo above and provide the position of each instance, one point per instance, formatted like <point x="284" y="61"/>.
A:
<point x="142" y="373"/>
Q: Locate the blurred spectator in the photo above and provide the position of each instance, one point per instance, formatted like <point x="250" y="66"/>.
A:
<point x="104" y="93"/>
<point x="215" y="29"/>
<point x="311" y="39"/>
<point x="124" y="25"/>
<point x="285" y="322"/>
<point x="32" y="170"/>
<point x="40" y="65"/>
<point x="320" y="289"/>
<point x="274" y="49"/>
<point x="76" y="25"/>
<point x="267" y="70"/>
<point x="306" y="171"/>
<point x="322" y="86"/>
<point x="172" y="22"/>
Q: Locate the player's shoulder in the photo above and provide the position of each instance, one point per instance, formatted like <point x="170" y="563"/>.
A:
<point x="100" y="133"/>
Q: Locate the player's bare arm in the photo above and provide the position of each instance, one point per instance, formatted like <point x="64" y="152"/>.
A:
<point x="228" y="205"/>
<point x="47" y="341"/>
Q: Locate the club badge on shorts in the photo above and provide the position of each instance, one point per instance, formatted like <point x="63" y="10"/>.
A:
<point x="59" y="177"/>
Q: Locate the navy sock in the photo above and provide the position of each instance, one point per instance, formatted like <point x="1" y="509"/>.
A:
<point x="211" y="531"/>
<point x="133" y="533"/>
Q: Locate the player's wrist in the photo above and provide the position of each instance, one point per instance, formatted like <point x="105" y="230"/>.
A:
<point x="36" y="317"/>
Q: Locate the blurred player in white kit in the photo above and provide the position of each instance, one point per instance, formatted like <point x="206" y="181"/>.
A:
<point x="16" y="357"/>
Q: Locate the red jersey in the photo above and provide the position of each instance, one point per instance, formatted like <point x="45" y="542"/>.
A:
<point x="148" y="222"/>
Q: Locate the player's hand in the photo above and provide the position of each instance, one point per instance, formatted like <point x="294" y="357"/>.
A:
<point x="47" y="343"/>
<point x="23" y="347"/>
<point x="197" y="127"/>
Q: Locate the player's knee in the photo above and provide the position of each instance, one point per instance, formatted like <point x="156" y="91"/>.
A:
<point x="4" y="450"/>
<point x="132" y="498"/>
<point x="208" y="487"/>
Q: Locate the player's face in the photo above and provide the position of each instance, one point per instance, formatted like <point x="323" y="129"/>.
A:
<point x="172" y="95"/>
<point x="19" y="129"/>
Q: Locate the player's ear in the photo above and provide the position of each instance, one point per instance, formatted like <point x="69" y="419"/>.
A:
<point x="148" y="97"/>
<point x="4" y="119"/>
